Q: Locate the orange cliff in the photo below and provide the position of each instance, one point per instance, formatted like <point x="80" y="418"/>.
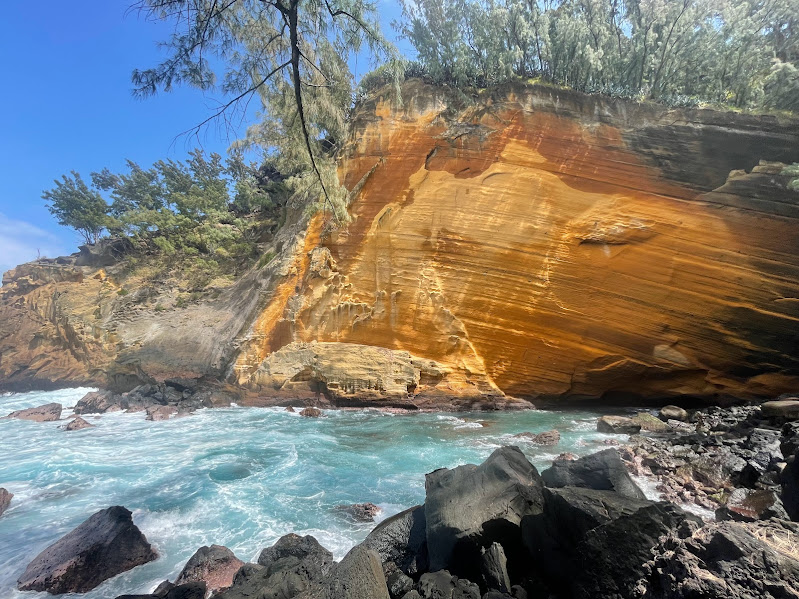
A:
<point x="533" y="242"/>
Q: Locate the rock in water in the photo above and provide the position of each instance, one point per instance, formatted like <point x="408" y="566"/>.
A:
<point x="77" y="424"/>
<point x="600" y="471"/>
<point x="215" y="566"/>
<point x="402" y="540"/>
<point x="5" y="500"/>
<point x="311" y="412"/>
<point x="673" y="413"/>
<point x="546" y="438"/>
<point x="190" y="590"/>
<point x="45" y="413"/>
<point x="105" y="545"/>
<point x="471" y="506"/>
<point x="358" y="576"/>
<point x="360" y="512"/>
<point x="97" y="402"/>
<point x="617" y="425"/>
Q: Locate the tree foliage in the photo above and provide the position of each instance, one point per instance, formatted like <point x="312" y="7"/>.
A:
<point x="75" y="205"/>
<point x="739" y="52"/>
<point x="291" y="55"/>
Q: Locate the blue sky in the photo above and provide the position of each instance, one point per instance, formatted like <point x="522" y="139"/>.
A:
<point x="66" y="105"/>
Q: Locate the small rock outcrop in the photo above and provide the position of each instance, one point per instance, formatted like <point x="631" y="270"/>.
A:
<point x="617" y="425"/>
<point x="215" y="566"/>
<point x="546" y="438"/>
<point x="673" y="413"/>
<point x="77" y="424"/>
<point x="359" y="512"/>
<point x="106" y="544"/>
<point x="45" y="413"/>
<point x="5" y="500"/>
<point x="600" y="471"/>
<point x="311" y="412"/>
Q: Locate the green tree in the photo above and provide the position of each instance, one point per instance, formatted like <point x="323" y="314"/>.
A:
<point x="77" y="206"/>
<point x="289" y="54"/>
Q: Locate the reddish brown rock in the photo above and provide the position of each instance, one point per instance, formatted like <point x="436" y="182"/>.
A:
<point x="5" y="500"/>
<point x="106" y="544"/>
<point x="45" y="413"/>
<point x="160" y="412"/>
<point x="311" y="412"/>
<point x="77" y="424"/>
<point x="215" y="566"/>
<point x="360" y="512"/>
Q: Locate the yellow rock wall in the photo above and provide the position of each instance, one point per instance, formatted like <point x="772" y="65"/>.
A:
<point x="540" y="241"/>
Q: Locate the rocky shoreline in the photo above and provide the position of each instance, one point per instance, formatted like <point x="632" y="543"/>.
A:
<point x="502" y="530"/>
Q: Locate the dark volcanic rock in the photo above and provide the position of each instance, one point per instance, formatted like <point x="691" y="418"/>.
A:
<point x="311" y="412"/>
<point x="215" y="566"/>
<point x="470" y="507"/>
<point x="790" y="487"/>
<point x="45" y="413"/>
<point x="751" y="504"/>
<point x="97" y="402"/>
<point x="190" y="590"/>
<point x="402" y="539"/>
<point x="619" y="425"/>
<point x="358" y="576"/>
<point x="442" y="585"/>
<point x="360" y="512"/>
<point x="298" y="548"/>
<point x="494" y="568"/>
<point x="611" y="557"/>
<point x="726" y="559"/>
<point x="600" y="471"/>
<point x="77" y="424"/>
<point x="105" y="545"/>
<point x="5" y="500"/>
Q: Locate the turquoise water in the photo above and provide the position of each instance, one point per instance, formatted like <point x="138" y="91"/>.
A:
<point x="240" y="477"/>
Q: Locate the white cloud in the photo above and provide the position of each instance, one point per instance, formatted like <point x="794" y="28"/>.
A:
<point x="21" y="242"/>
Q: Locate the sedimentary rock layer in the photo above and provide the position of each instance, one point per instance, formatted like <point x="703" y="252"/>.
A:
<point x="530" y="241"/>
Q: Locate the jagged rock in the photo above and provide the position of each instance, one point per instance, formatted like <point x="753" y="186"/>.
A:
<point x="77" y="424"/>
<point x="546" y="438"/>
<point x="610" y="558"/>
<point x="471" y="506"/>
<point x="618" y="425"/>
<point x="215" y="566"/>
<point x="358" y="576"/>
<point x="294" y="566"/>
<point x="726" y="559"/>
<point x="399" y="583"/>
<point x="360" y="512"/>
<point x="311" y="412"/>
<point x="751" y="504"/>
<point x="157" y="413"/>
<point x="97" y="402"/>
<point x="45" y="413"/>
<point x="442" y="585"/>
<point x="5" y="500"/>
<point x="790" y="487"/>
<point x="673" y="413"/>
<point x="494" y="568"/>
<point x="105" y="545"/>
<point x="402" y="539"/>
<point x="553" y="536"/>
<point x="290" y="409"/>
<point x="601" y="471"/>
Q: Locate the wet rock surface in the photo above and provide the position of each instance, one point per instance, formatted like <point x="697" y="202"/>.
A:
<point x="5" y="500"/>
<point x="77" y="424"/>
<point x="106" y="544"/>
<point x="45" y="413"/>
<point x="359" y="512"/>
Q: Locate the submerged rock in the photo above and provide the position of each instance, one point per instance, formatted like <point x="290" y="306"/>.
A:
<point x="215" y="566"/>
<point x="546" y="438"/>
<point x="311" y="412"/>
<point x="601" y="471"/>
<point x="5" y="500"/>
<point x="77" y="424"/>
<point x="360" y="512"/>
<point x="105" y="545"/>
<point x="45" y="413"/>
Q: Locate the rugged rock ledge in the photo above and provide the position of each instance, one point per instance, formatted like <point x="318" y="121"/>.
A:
<point x="534" y="243"/>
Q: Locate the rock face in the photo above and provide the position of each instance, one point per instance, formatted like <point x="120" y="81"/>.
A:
<point x="5" y="500"/>
<point x="402" y="541"/>
<point x="45" y="413"/>
<point x="215" y="566"/>
<point x="103" y="546"/>
<point x="599" y="471"/>
<point x="523" y="244"/>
